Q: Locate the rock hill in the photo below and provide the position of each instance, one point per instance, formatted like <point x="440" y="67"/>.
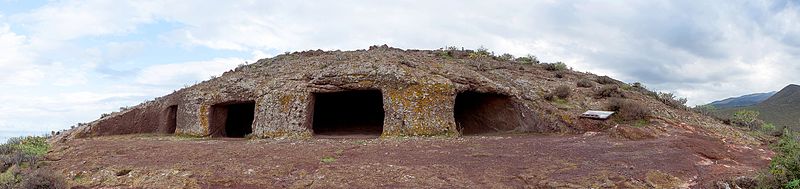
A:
<point x="384" y="91"/>
<point x="528" y="110"/>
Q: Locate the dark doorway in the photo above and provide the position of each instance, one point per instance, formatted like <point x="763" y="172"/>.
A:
<point x="483" y="113"/>
<point x="349" y="114"/>
<point x="234" y="120"/>
<point x="172" y="119"/>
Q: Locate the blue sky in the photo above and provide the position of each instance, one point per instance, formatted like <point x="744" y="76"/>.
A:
<point x="65" y="62"/>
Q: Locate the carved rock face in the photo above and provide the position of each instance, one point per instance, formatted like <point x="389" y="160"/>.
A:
<point x="417" y="90"/>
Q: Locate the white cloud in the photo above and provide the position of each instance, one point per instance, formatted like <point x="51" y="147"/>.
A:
<point x="15" y="59"/>
<point x="171" y="74"/>
<point x="66" y="20"/>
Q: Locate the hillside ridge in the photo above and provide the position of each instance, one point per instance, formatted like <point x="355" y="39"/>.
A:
<point x="741" y="101"/>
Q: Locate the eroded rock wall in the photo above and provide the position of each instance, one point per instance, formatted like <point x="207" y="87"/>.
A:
<point x="418" y="90"/>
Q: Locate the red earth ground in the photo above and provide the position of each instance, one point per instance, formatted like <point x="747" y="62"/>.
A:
<point x="595" y="160"/>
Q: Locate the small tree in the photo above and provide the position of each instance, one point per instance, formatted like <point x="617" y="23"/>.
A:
<point x="746" y="118"/>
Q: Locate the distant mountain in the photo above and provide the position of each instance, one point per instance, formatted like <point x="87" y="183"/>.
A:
<point x="781" y="109"/>
<point x="742" y="101"/>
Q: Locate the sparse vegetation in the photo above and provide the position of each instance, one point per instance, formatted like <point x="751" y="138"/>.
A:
<point x="530" y="59"/>
<point x="705" y="109"/>
<point x="605" y="80"/>
<point x="628" y="110"/>
<point x="769" y="128"/>
<point x="506" y="57"/>
<point x="585" y="83"/>
<point x="608" y="91"/>
<point x="19" y="165"/>
<point x="560" y="92"/>
<point x="558" y="66"/>
<point x="40" y="178"/>
<point x="328" y="159"/>
<point x="746" y="118"/>
<point x="784" y="169"/>
<point x="642" y="89"/>
<point x="673" y="101"/>
<point x="481" y="52"/>
<point x="445" y="54"/>
<point x="560" y="74"/>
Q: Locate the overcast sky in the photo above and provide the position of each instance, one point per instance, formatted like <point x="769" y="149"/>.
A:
<point x="65" y="62"/>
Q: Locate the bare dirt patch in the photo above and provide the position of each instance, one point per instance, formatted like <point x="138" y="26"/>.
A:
<point x="531" y="161"/>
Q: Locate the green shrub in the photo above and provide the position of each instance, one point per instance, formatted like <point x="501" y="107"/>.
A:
<point x="444" y="54"/>
<point x="481" y="52"/>
<point x="673" y="101"/>
<point x="605" y="80"/>
<point x="608" y="91"/>
<point x="31" y="145"/>
<point x="328" y="159"/>
<point x="585" y="83"/>
<point x="628" y="110"/>
<point x="794" y="184"/>
<point x="558" y="66"/>
<point x="19" y="164"/>
<point x="626" y="87"/>
<point x="530" y="59"/>
<point x="506" y="57"/>
<point x="784" y="169"/>
<point x="745" y="115"/>
<point x="560" y="92"/>
<point x="8" y="180"/>
<point x="747" y="119"/>
<point x="707" y="109"/>
<point x="769" y="129"/>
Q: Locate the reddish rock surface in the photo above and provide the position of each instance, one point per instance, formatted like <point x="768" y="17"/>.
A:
<point x="510" y="161"/>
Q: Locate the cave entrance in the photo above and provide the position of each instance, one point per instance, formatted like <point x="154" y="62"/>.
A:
<point x="348" y="114"/>
<point x="484" y="113"/>
<point x="172" y="119"/>
<point x="233" y="120"/>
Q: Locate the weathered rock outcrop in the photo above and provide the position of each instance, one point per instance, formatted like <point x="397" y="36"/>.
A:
<point x="418" y="89"/>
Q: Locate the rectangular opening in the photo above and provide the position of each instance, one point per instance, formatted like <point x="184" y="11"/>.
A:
<point x="484" y="113"/>
<point x="233" y="120"/>
<point x="172" y="119"/>
<point x="348" y="114"/>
